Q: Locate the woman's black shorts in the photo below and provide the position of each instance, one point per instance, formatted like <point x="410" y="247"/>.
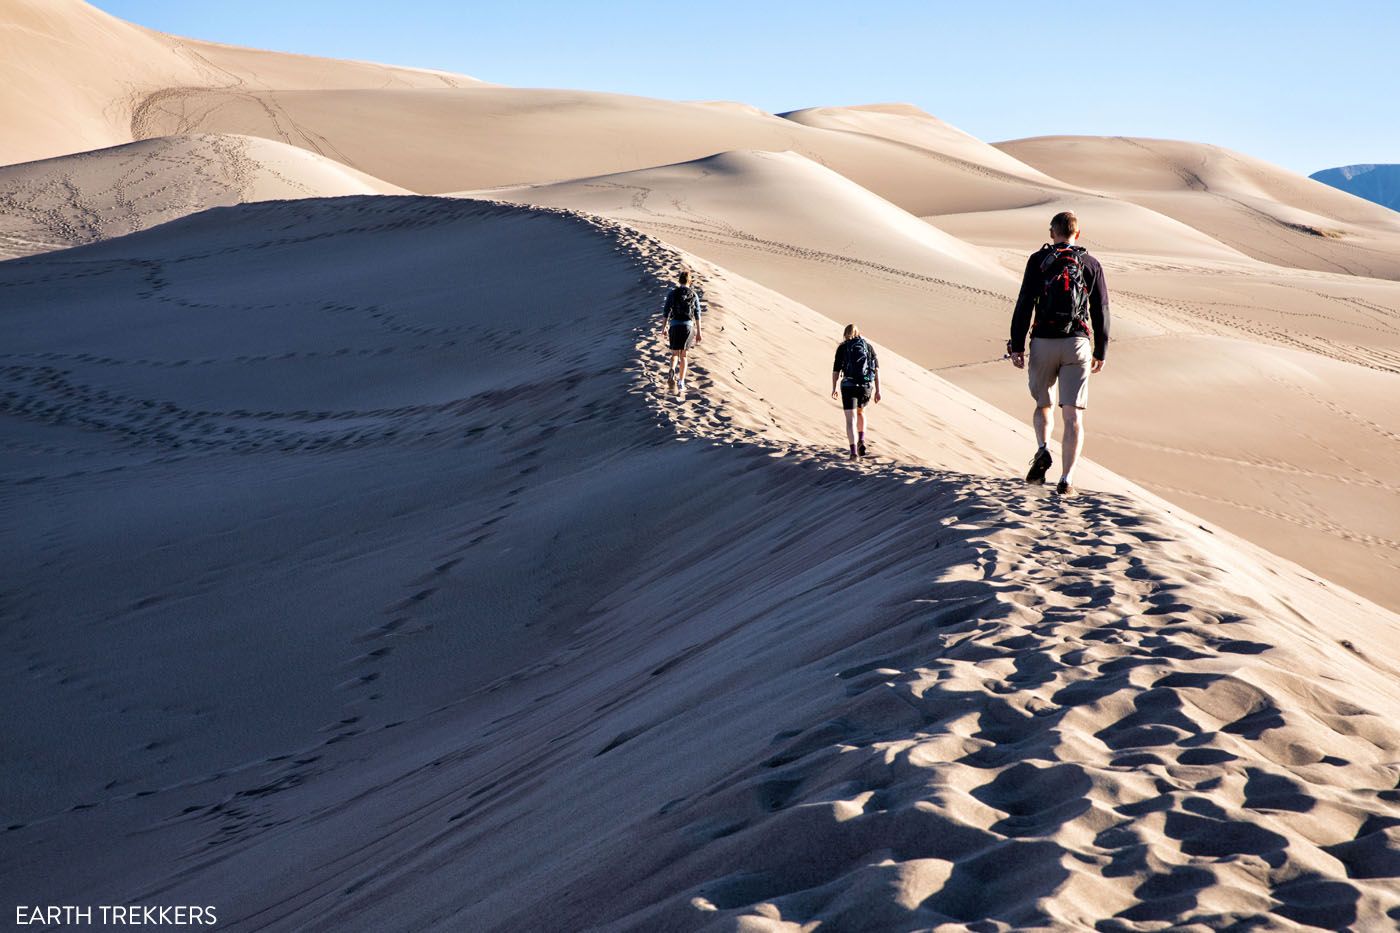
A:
<point x="856" y="396"/>
<point x="681" y="335"/>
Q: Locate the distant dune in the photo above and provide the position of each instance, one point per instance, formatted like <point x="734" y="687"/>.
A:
<point x="1258" y="208"/>
<point x="910" y="126"/>
<point x="78" y="79"/>
<point x="363" y="575"/>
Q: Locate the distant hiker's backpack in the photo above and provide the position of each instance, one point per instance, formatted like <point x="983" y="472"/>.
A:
<point x="1063" y="307"/>
<point x="685" y="304"/>
<point x="856" y="365"/>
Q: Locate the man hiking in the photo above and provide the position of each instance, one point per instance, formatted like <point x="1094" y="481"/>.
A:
<point x="682" y="327"/>
<point x="858" y="372"/>
<point x="1064" y="289"/>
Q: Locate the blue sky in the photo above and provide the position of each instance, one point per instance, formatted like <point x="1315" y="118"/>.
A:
<point x="1305" y="85"/>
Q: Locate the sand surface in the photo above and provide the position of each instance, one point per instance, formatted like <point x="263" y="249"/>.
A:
<point x="77" y="78"/>
<point x="496" y="575"/>
<point x="362" y="575"/>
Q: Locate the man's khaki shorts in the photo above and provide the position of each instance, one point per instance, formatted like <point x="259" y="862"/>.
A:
<point x="1060" y="359"/>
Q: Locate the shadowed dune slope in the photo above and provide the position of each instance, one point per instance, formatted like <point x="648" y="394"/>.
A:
<point x="72" y="200"/>
<point x="458" y="622"/>
<point x="76" y="78"/>
<point x="1260" y="209"/>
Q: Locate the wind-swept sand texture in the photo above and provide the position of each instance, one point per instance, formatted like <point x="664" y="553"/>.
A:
<point x="533" y="647"/>
<point x="72" y="200"/>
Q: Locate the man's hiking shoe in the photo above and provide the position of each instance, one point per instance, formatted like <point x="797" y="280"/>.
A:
<point x="1065" y="489"/>
<point x="671" y="381"/>
<point x="1040" y="465"/>
<point x="860" y="448"/>
<point x="852" y="453"/>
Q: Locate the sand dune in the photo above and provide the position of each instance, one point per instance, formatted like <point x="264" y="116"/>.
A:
<point x="71" y="200"/>
<point x="77" y="78"/>
<point x="1110" y="226"/>
<point x="906" y="124"/>
<point x="1258" y="208"/>
<point x="501" y="579"/>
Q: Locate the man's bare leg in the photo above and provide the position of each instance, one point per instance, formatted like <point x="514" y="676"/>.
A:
<point x="1044" y="422"/>
<point x="851" y="427"/>
<point x="1072" y="442"/>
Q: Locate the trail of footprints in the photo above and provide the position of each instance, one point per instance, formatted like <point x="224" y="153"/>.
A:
<point x="987" y="704"/>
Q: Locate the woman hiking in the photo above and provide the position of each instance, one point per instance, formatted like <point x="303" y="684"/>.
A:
<point x="858" y="372"/>
<point x="682" y="327"/>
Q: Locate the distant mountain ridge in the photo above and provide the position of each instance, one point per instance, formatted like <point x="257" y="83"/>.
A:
<point x="1378" y="183"/>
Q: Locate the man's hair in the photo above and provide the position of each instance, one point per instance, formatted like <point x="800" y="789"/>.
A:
<point x="684" y="276"/>
<point x="852" y="331"/>
<point x="1064" y="224"/>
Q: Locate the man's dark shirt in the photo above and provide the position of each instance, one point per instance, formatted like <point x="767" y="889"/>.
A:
<point x="1031" y="285"/>
<point x="839" y="366"/>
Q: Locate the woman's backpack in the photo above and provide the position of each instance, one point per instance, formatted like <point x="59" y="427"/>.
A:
<point x="855" y="366"/>
<point x="684" y="304"/>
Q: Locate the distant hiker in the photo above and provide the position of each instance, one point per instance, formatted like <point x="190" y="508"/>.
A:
<point x="858" y="372"/>
<point x="682" y="328"/>
<point x="1064" y="286"/>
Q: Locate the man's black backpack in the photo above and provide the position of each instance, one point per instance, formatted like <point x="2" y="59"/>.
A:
<point x="684" y="304"/>
<point x="1063" y="307"/>
<point x="855" y="367"/>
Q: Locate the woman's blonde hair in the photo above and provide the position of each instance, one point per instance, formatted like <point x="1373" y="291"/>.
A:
<point x="852" y="331"/>
<point x="684" y="277"/>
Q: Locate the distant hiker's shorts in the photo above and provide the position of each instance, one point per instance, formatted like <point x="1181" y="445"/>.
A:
<point x="1064" y="360"/>
<point x="681" y="334"/>
<point x="856" y="396"/>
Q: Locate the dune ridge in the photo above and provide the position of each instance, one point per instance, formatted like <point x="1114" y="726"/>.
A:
<point x="904" y="694"/>
<point x="71" y="200"/>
